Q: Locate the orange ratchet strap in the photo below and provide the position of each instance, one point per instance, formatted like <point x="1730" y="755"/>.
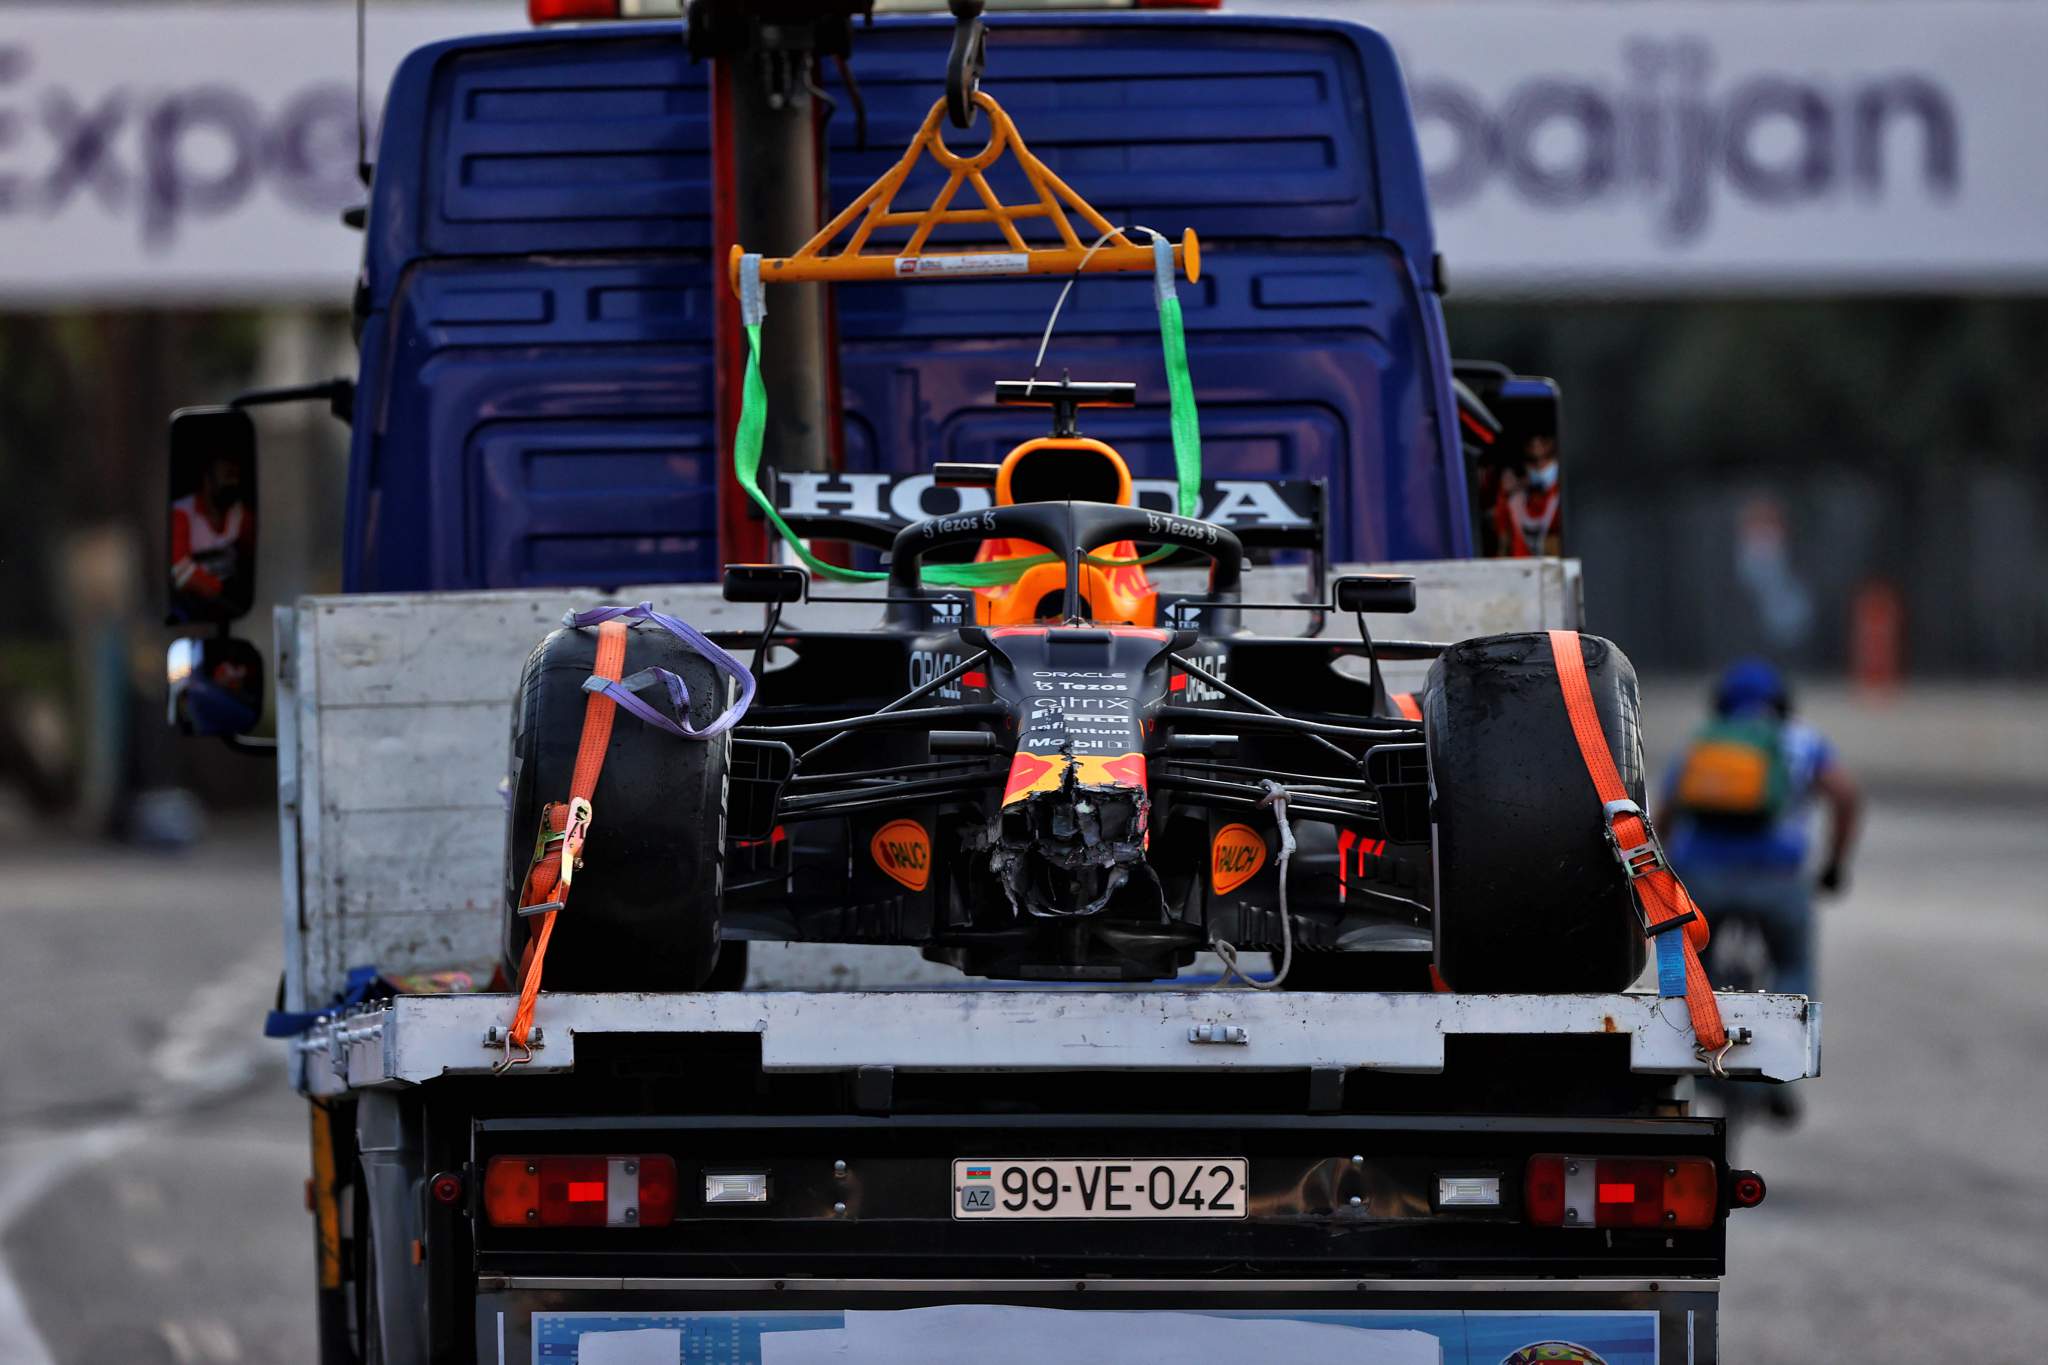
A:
<point x="558" y="849"/>
<point x="1662" y="901"/>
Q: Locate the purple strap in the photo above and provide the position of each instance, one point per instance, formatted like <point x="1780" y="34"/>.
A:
<point x="621" y="692"/>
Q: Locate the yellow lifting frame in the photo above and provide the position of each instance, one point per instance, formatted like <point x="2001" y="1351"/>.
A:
<point x="875" y="209"/>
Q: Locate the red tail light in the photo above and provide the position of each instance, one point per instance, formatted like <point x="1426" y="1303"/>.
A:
<point x="1621" y="1192"/>
<point x="579" y="1191"/>
<point x="558" y="11"/>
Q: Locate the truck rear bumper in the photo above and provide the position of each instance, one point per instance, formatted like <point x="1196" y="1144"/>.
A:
<point x="413" y="1039"/>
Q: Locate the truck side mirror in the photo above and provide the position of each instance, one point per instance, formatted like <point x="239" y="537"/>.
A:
<point x="212" y="528"/>
<point x="216" y="686"/>
<point x="1511" y="425"/>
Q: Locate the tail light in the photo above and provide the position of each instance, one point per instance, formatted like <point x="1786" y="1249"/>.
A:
<point x="579" y="1191"/>
<point x="560" y="11"/>
<point x="997" y="6"/>
<point x="1621" y="1192"/>
<point x="566" y="11"/>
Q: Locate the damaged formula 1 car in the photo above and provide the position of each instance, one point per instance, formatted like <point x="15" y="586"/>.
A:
<point x="1040" y="762"/>
<point x="1076" y="775"/>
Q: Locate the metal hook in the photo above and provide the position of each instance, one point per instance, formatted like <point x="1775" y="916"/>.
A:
<point x="964" y="63"/>
<point x="509" y="1060"/>
<point x="1714" y="1063"/>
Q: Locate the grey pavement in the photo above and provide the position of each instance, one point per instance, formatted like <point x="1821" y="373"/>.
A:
<point x="151" y="1158"/>
<point x="1908" y="1215"/>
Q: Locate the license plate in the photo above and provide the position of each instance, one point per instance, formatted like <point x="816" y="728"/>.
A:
<point x="1212" y="1187"/>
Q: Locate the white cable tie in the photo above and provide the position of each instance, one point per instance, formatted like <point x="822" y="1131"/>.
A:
<point x="1162" y="269"/>
<point x="753" y="299"/>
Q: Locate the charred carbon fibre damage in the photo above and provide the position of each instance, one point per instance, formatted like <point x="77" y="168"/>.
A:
<point x="1069" y="851"/>
<point x="1070" y="838"/>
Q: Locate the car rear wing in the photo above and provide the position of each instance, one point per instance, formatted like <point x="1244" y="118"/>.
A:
<point x="869" y="509"/>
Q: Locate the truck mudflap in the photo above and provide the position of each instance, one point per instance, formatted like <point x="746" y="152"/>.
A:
<point x="1190" y="1322"/>
<point x="414" y="1039"/>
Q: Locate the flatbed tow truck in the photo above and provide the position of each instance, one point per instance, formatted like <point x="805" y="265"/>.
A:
<point x="1471" y="1167"/>
<point x="924" y="1168"/>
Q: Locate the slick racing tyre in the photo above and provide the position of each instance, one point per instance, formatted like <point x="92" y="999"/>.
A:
<point x="644" y="907"/>
<point x="1529" y="896"/>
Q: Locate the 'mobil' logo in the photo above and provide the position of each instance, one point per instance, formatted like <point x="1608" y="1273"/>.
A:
<point x="902" y="849"/>
<point x="1236" y="856"/>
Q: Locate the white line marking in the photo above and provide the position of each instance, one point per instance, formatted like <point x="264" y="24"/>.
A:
<point x="213" y="1045"/>
<point x="201" y="1341"/>
<point x="20" y="1343"/>
<point x="210" y="1048"/>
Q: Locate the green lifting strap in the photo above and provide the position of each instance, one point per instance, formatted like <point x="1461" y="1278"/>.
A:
<point x="1187" y="442"/>
<point x="1180" y="389"/>
<point x="747" y="464"/>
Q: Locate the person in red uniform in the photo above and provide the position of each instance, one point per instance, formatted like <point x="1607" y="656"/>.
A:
<point x="209" y="532"/>
<point x="1527" y="514"/>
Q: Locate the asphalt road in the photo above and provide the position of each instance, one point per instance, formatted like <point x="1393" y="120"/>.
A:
<point x="151" y="1159"/>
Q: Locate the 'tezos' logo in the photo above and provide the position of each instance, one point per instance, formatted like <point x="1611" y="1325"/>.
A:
<point x="902" y="849"/>
<point x="1235" y="858"/>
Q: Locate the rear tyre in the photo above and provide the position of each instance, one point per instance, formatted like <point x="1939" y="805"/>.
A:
<point x="644" y="911"/>
<point x="1529" y="896"/>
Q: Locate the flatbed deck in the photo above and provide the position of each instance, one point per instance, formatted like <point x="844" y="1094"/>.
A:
<point x="412" y="1040"/>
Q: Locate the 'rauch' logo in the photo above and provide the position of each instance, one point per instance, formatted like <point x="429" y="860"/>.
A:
<point x="1235" y="858"/>
<point x="903" y="850"/>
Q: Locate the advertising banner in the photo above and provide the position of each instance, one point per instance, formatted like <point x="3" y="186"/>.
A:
<point x="204" y="152"/>
<point x="1755" y="145"/>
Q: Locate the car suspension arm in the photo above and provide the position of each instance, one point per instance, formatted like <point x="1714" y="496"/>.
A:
<point x="922" y="689"/>
<point x="1194" y="669"/>
<point x="928" y="717"/>
<point x="1308" y="803"/>
<point x="1391" y="731"/>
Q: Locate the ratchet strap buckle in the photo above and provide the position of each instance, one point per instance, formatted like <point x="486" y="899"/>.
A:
<point x="1645" y="859"/>
<point x="573" y="837"/>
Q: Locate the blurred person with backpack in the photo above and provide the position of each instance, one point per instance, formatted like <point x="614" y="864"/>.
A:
<point x="1737" y="810"/>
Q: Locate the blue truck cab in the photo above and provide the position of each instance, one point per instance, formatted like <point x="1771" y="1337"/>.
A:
<point x="537" y="399"/>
